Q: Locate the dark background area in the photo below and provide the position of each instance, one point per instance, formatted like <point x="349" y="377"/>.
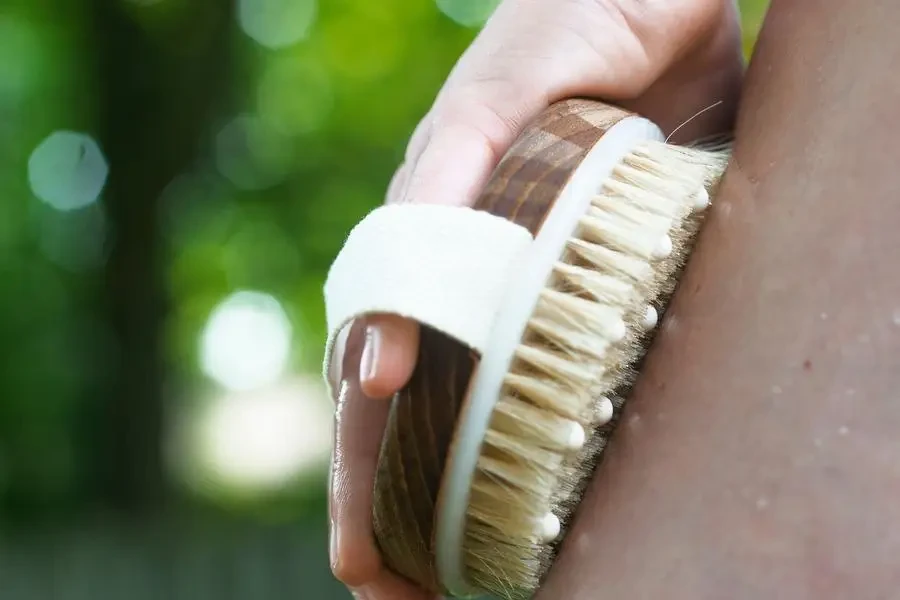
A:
<point x="175" y="178"/>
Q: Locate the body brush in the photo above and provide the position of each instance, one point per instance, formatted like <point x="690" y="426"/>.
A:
<point x="537" y="307"/>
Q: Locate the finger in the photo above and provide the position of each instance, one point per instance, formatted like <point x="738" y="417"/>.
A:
<point x="532" y="53"/>
<point x="335" y="364"/>
<point x="335" y="367"/>
<point x="398" y="184"/>
<point x="390" y="587"/>
<point x="392" y="343"/>
<point x="359" y="427"/>
<point x="389" y="355"/>
<point x="698" y="95"/>
<point x="470" y="130"/>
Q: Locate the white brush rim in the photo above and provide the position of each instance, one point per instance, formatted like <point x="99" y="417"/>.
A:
<point x="508" y="327"/>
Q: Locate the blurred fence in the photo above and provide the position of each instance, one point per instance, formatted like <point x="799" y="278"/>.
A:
<point x="168" y="563"/>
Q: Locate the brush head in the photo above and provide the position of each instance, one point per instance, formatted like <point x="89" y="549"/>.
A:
<point x="485" y="458"/>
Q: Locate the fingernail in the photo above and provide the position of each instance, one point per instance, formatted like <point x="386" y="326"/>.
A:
<point x="368" y="364"/>
<point x="333" y="549"/>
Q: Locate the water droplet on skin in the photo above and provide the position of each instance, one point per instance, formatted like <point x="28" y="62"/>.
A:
<point x="824" y="316"/>
<point x="671" y="324"/>
<point x="896" y="317"/>
<point x="843" y="430"/>
<point x="762" y="503"/>
<point x="776" y="389"/>
<point x="634" y="422"/>
<point x="818" y="442"/>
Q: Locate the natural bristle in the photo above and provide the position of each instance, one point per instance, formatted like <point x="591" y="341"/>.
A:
<point x="585" y="337"/>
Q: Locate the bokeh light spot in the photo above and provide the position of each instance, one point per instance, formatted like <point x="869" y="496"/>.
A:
<point x="295" y="96"/>
<point x="469" y="13"/>
<point x="246" y="342"/>
<point x="265" y="438"/>
<point x="67" y="170"/>
<point x="251" y="154"/>
<point x="276" y="23"/>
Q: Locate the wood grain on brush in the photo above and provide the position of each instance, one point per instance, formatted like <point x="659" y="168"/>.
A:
<point x="423" y="415"/>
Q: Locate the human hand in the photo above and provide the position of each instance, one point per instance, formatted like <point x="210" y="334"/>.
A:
<point x="665" y="59"/>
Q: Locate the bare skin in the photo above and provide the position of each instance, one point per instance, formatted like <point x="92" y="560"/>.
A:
<point x="760" y="455"/>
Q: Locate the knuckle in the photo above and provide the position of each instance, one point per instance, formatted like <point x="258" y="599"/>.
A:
<point x="651" y="20"/>
<point x="355" y="573"/>
<point x="492" y="106"/>
<point x="397" y="185"/>
<point x="419" y="139"/>
<point x="643" y="38"/>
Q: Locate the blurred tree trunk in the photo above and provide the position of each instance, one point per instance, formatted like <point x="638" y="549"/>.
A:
<point x="160" y="72"/>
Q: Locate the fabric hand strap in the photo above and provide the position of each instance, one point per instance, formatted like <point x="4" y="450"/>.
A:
<point x="443" y="266"/>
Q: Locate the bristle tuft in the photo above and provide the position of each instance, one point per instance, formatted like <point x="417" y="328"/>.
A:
<point x="575" y="364"/>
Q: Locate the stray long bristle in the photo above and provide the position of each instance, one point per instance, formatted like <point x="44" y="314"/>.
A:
<point x="588" y="331"/>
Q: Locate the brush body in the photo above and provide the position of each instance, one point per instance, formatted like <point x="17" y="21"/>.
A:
<point x="485" y="458"/>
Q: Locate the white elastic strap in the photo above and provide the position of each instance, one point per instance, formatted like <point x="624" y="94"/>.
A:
<point x="443" y="266"/>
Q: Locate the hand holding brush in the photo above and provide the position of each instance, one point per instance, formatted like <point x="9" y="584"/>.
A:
<point x="664" y="60"/>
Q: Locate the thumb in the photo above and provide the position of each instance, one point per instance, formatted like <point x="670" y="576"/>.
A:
<point x="389" y="354"/>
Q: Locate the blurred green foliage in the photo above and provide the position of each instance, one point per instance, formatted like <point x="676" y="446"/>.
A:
<point x="294" y="143"/>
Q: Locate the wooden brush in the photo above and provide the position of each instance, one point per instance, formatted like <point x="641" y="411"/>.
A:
<point x="490" y="445"/>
